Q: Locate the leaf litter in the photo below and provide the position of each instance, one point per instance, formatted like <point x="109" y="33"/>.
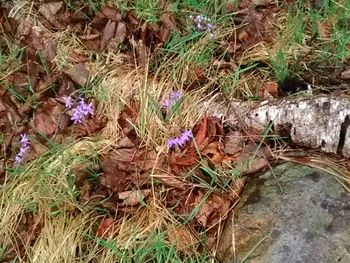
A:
<point x="193" y="175"/>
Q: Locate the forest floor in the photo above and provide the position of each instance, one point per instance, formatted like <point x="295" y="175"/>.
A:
<point x="106" y="155"/>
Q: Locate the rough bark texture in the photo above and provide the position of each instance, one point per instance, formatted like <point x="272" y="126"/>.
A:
<point x="320" y="122"/>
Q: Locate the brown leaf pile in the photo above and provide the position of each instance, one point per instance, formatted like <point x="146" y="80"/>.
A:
<point x="31" y="96"/>
<point x="108" y="29"/>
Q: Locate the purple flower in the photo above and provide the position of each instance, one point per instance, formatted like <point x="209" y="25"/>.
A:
<point x="171" y="100"/>
<point x="80" y="111"/>
<point x="24" y="140"/>
<point x="202" y="23"/>
<point x="68" y="101"/>
<point x="181" y="140"/>
<point x="23" y="149"/>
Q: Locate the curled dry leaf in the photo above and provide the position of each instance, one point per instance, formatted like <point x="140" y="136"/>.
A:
<point x="130" y="159"/>
<point x="134" y="197"/>
<point x="183" y="238"/>
<point x="214" y="210"/>
<point x="120" y="35"/>
<point x="253" y="3"/>
<point x="202" y="132"/>
<point x="49" y="117"/>
<point x="79" y="74"/>
<point x="111" y="13"/>
<point x="7" y="119"/>
<point x="116" y="182"/>
<point x="172" y="181"/>
<point x="105" y="228"/>
<point x="345" y="75"/>
<point x="50" y="10"/>
<point x="325" y="28"/>
<point x="215" y="152"/>
<point x="168" y="24"/>
<point x="234" y="142"/>
<point x="125" y="168"/>
<point x="269" y="89"/>
<point x="108" y="33"/>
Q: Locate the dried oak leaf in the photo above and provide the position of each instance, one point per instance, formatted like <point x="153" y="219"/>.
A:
<point x="50" y="12"/>
<point x="108" y="33"/>
<point x="183" y="238"/>
<point x="90" y="127"/>
<point x="345" y="75"/>
<point x="134" y="197"/>
<point x="117" y="181"/>
<point x="49" y="117"/>
<point x="125" y="168"/>
<point x="6" y="128"/>
<point x="215" y="152"/>
<point x="202" y="132"/>
<point x="253" y="3"/>
<point x="131" y="159"/>
<point x="120" y="35"/>
<point x="82" y="171"/>
<point x="269" y="89"/>
<point x="105" y="228"/>
<point x="325" y="28"/>
<point x="111" y="13"/>
<point x="214" y="210"/>
<point x="171" y="180"/>
<point x="91" y="41"/>
<point x="79" y="73"/>
<point x="99" y="22"/>
<point x="168" y="24"/>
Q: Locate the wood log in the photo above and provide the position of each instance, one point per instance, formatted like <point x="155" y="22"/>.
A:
<point x="318" y="122"/>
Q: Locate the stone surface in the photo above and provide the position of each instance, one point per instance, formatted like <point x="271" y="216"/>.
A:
<point x="300" y="215"/>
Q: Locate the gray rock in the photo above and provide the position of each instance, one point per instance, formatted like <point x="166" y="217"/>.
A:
<point x="300" y="216"/>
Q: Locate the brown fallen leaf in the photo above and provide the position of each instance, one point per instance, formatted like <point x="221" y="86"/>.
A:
<point x="44" y="124"/>
<point x="172" y="181"/>
<point x="168" y="24"/>
<point x="134" y="197"/>
<point x="49" y="117"/>
<point x="105" y="228"/>
<point x="214" y="210"/>
<point x="117" y="181"/>
<point x="269" y="89"/>
<point x="345" y="75"/>
<point x="111" y="13"/>
<point x="199" y="71"/>
<point x="253" y="3"/>
<point x="129" y="159"/>
<point x="79" y="74"/>
<point x="215" y="152"/>
<point x="221" y="64"/>
<point x="183" y="161"/>
<point x="325" y="28"/>
<point x="234" y="142"/>
<point x="202" y="132"/>
<point x="50" y="10"/>
<point x="120" y="35"/>
<point x="183" y="238"/>
<point x="49" y="49"/>
<point x="108" y="33"/>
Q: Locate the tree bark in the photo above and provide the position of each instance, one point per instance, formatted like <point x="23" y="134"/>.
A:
<point x="319" y="122"/>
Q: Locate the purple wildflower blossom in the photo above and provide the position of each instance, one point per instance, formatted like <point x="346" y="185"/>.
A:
<point x="24" y="139"/>
<point x="80" y="111"/>
<point x="23" y="149"/>
<point x="203" y="23"/>
<point x="171" y="100"/>
<point x="68" y="101"/>
<point x="181" y="140"/>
